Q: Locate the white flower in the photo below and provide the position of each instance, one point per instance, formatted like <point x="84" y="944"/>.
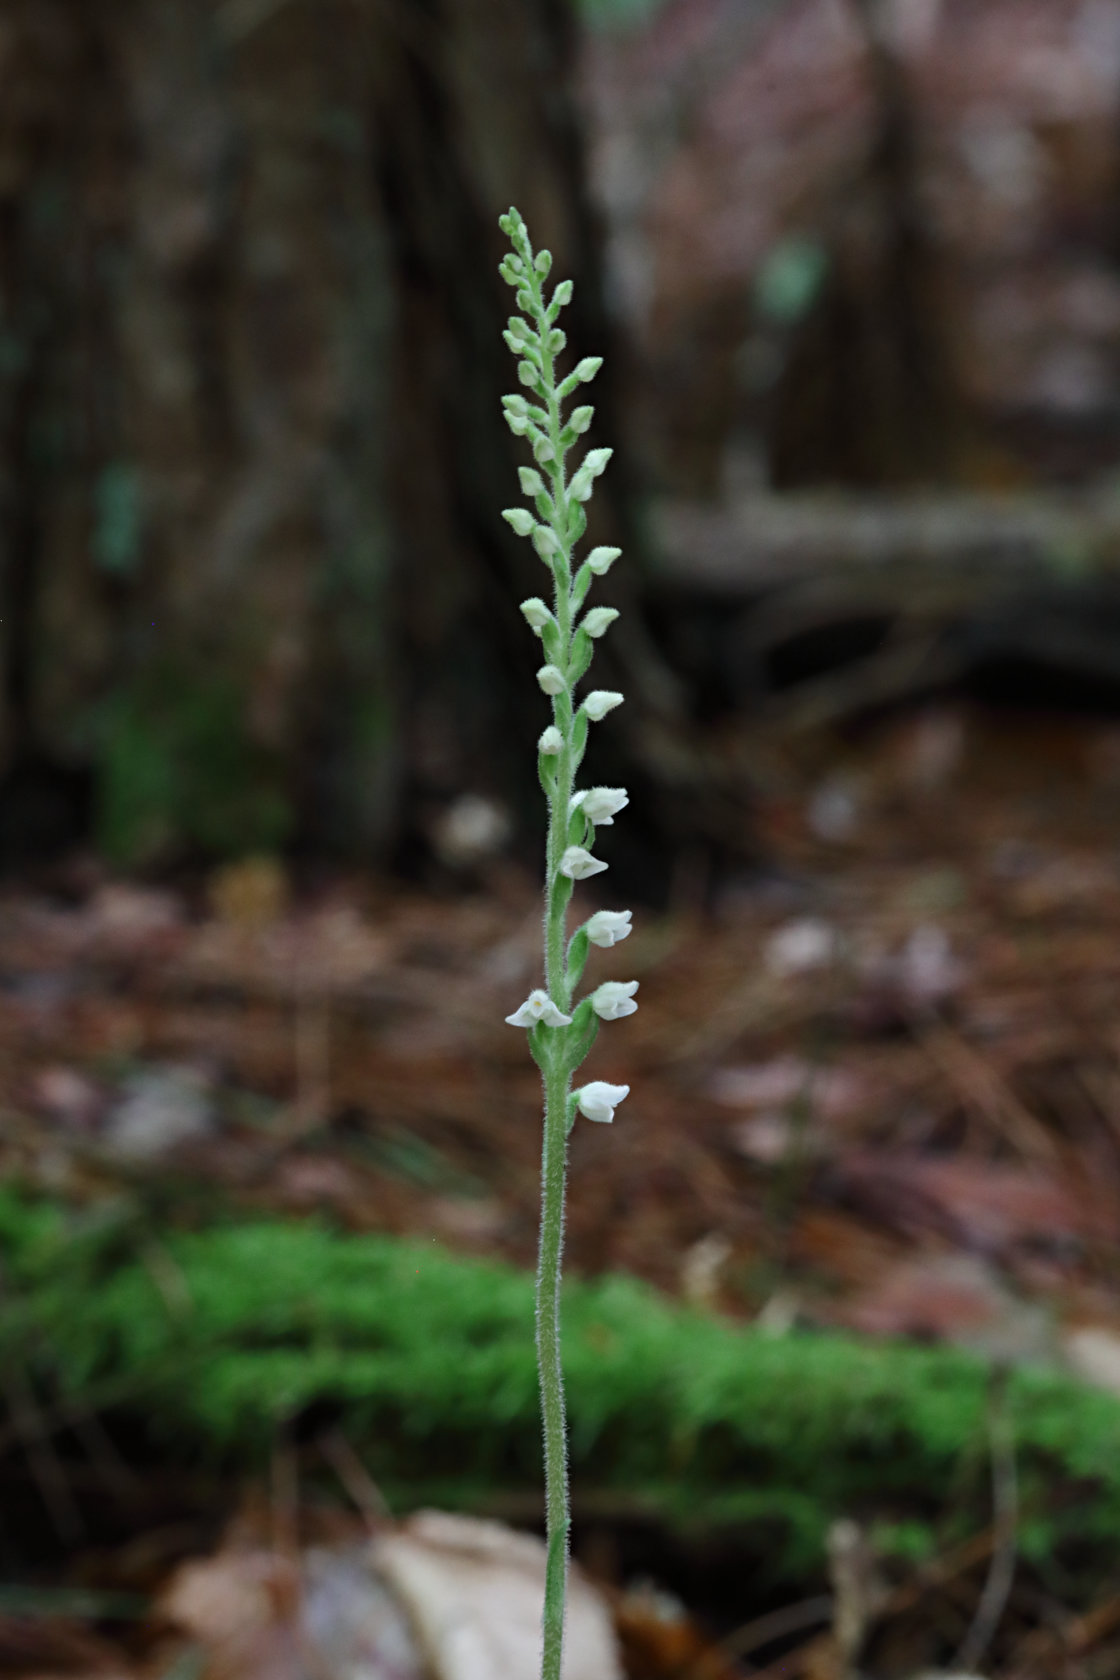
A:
<point x="600" y="560"/>
<point x="599" y="1100"/>
<point x="614" y="999"/>
<point x="599" y="620"/>
<point x="607" y="927"/>
<point x="552" y="679"/>
<point x="599" y="702"/>
<point x="578" y="863"/>
<point x="535" y="613"/>
<point x="601" y="805"/>
<point x="538" y="1006"/>
<point x="521" y="520"/>
<point x="551" y="740"/>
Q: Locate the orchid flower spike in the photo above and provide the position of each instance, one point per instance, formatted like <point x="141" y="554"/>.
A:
<point x="606" y="927"/>
<point x="598" y="1100"/>
<point x="577" y="864"/>
<point x="538" y="1006"/>
<point x="614" y="999"/>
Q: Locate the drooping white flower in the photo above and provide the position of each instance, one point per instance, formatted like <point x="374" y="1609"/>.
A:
<point x="599" y="620"/>
<point x="600" y="560"/>
<point x="600" y="805"/>
<point x="577" y="864"/>
<point x="598" y="1100"/>
<point x="535" y="613"/>
<point x="551" y="740"/>
<point x="552" y="679"/>
<point x="599" y="702"/>
<point x="606" y="927"/>
<point x="614" y="999"/>
<point x="538" y="1006"/>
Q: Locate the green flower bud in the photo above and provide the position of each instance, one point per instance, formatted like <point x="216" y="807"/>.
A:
<point x="586" y="370"/>
<point x="532" y="483"/>
<point x="600" y="560"/>
<point x="543" y="262"/>
<point x="562" y="296"/>
<point x="544" y="541"/>
<point x="527" y="374"/>
<point x="520" y="519"/>
<point x="552" y="679"/>
<point x="599" y="621"/>
<point x="580" y="418"/>
<point x="535" y="613"/>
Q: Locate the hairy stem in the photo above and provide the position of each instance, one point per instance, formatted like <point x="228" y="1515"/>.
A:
<point x="553" y="1174"/>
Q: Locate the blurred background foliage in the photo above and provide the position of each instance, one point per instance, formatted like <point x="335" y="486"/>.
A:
<point x="254" y="590"/>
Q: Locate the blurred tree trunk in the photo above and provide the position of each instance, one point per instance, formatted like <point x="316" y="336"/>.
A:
<point x="870" y="395"/>
<point x="254" y="576"/>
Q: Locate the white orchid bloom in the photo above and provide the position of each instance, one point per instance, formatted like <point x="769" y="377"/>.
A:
<point x="552" y="679"/>
<point x="538" y="1006"/>
<point x="599" y="702"/>
<point x="600" y="560"/>
<point x="614" y="999"/>
<point x="607" y="927"/>
<point x="577" y="864"/>
<point x="551" y="740"/>
<point x="598" y="1100"/>
<point x="600" y="805"/>
<point x="535" y="613"/>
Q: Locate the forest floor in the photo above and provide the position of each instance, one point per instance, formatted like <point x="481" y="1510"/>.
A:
<point x="875" y="1086"/>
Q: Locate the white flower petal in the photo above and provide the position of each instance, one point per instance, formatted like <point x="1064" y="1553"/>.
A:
<point x="578" y="863"/>
<point x="601" y="805"/>
<point x="607" y="927"/>
<point x="598" y="1100"/>
<point x="614" y="999"/>
<point x="538" y="1006"/>
<point x="601" y="701"/>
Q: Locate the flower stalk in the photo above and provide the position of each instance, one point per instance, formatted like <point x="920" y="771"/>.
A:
<point x="560" y="1031"/>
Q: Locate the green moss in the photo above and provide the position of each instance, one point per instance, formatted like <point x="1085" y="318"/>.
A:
<point x="206" y="1340"/>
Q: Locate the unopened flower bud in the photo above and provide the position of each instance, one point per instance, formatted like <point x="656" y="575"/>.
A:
<point x="599" y="1099"/>
<point x="600" y="560"/>
<point x="552" y="679"/>
<point x="515" y="404"/>
<point x="552" y="741"/>
<point x="599" y="702"/>
<point x="545" y="543"/>
<point x="588" y="368"/>
<point x="577" y="864"/>
<point x="517" y="423"/>
<point x="538" y="1006"/>
<point x="614" y="999"/>
<point x="562" y="296"/>
<point x="595" y="461"/>
<point x="520" y="519"/>
<point x="580" y="418"/>
<point x="543" y="262"/>
<point x="527" y="373"/>
<point x="531" y="482"/>
<point x="608" y="927"/>
<point x="599" y="620"/>
<point x="535" y="613"/>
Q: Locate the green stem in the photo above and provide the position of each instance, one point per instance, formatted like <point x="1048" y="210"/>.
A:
<point x="553" y="1175"/>
<point x="557" y="1080"/>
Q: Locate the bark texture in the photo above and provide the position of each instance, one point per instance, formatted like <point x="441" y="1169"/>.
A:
<point x="255" y="586"/>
